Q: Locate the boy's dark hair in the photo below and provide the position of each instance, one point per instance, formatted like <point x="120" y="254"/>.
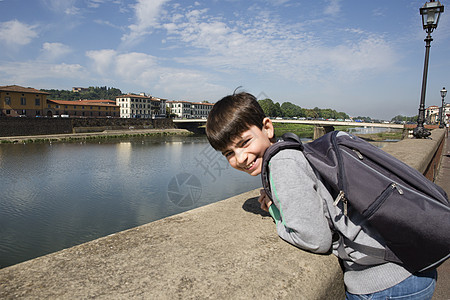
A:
<point x="230" y="117"/>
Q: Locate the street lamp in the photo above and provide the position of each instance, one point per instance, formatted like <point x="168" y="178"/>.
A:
<point x="430" y="17"/>
<point x="442" y="117"/>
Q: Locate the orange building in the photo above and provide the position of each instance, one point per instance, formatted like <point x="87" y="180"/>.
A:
<point x="18" y="101"/>
<point x="82" y="108"/>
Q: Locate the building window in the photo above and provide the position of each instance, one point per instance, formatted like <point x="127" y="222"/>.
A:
<point x="37" y="101"/>
<point x="23" y="101"/>
<point x="8" y="100"/>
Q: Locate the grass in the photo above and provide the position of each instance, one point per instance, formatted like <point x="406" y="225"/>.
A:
<point x="307" y="131"/>
<point x="304" y="131"/>
<point x="382" y="136"/>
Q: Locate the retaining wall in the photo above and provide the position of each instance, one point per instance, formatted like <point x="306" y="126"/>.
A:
<point x="43" y="126"/>
<point x="226" y="250"/>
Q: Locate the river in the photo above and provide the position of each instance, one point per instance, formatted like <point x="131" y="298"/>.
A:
<point x="57" y="195"/>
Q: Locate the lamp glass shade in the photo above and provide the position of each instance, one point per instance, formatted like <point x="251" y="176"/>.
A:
<point x="443" y="93"/>
<point x="431" y="12"/>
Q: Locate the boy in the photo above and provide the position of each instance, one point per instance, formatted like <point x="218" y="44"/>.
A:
<point x="303" y="208"/>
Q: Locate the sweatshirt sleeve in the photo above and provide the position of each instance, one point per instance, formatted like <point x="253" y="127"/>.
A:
<point x="299" y="212"/>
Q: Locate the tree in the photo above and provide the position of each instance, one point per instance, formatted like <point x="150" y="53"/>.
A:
<point x="270" y="109"/>
<point x="400" y="118"/>
<point x="290" y="110"/>
<point x="92" y="93"/>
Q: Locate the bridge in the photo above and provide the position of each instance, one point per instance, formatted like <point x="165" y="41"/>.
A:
<point x="321" y="126"/>
<point x="323" y="123"/>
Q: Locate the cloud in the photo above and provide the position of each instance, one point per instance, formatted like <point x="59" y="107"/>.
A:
<point x="267" y="45"/>
<point x="102" y="59"/>
<point x="62" y="6"/>
<point x="54" y="51"/>
<point x="16" y="33"/>
<point x="19" y="72"/>
<point x="333" y="8"/>
<point x="371" y="53"/>
<point x="143" y="70"/>
<point x="147" y="15"/>
<point x="95" y="3"/>
<point x="136" y="67"/>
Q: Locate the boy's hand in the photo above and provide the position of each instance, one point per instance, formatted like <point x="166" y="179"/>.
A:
<point x="264" y="200"/>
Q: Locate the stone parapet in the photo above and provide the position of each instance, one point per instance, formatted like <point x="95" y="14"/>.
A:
<point x="422" y="154"/>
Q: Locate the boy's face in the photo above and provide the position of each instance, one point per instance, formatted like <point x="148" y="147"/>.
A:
<point x="246" y="152"/>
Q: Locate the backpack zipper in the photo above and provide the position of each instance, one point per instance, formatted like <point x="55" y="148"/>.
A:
<point x="341" y="197"/>
<point x="358" y="154"/>
<point x="380" y="200"/>
<point x="401" y="187"/>
<point x="341" y="178"/>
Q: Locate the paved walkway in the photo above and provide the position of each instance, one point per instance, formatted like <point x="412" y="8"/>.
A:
<point x="443" y="180"/>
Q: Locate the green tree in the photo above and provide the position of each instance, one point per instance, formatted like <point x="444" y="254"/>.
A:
<point x="270" y="109"/>
<point x="92" y="93"/>
<point x="290" y="110"/>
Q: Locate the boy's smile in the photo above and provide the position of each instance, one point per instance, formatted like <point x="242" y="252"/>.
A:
<point x="246" y="152"/>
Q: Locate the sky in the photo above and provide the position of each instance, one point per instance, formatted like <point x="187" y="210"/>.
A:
<point x="362" y="57"/>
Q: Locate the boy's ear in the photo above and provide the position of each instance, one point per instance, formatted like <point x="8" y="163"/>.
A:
<point x="268" y="128"/>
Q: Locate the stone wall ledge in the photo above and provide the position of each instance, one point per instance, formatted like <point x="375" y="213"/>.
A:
<point x="226" y="250"/>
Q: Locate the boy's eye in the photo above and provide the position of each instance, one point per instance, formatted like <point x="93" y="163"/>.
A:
<point x="244" y="142"/>
<point x="227" y="154"/>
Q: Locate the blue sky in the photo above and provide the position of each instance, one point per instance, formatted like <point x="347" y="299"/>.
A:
<point x="361" y="57"/>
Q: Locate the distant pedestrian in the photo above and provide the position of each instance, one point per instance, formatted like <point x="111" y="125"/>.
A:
<point x="303" y="208"/>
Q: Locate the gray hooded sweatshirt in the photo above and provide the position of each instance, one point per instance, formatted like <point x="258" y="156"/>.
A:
<point x="303" y="211"/>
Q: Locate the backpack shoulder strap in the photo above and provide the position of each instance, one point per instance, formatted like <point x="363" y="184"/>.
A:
<point x="287" y="141"/>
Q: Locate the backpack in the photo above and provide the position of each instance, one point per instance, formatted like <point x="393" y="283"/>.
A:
<point x="411" y="213"/>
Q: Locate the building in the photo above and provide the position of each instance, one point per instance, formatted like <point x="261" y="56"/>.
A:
<point x="189" y="110"/>
<point x="82" y="108"/>
<point x="141" y="106"/>
<point x="181" y="109"/>
<point x="18" y="101"/>
<point x="79" y="89"/>
<point x="201" y="110"/>
<point x="432" y="113"/>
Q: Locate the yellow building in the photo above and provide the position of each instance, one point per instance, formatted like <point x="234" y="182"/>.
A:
<point x="18" y="101"/>
<point x="82" y="108"/>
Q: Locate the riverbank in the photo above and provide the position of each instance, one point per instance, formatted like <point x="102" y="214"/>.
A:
<point x="307" y="131"/>
<point x="382" y="136"/>
<point x="106" y="134"/>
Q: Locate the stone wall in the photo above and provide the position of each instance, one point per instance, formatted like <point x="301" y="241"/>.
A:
<point x="34" y="126"/>
<point x="42" y="126"/>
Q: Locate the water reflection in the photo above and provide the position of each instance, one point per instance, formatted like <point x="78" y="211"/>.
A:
<point x="55" y="196"/>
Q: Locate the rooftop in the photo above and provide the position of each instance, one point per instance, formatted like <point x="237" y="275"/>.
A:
<point x="21" y="89"/>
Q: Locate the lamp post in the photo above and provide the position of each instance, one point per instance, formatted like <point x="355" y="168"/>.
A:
<point x="430" y="17"/>
<point x="442" y="117"/>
